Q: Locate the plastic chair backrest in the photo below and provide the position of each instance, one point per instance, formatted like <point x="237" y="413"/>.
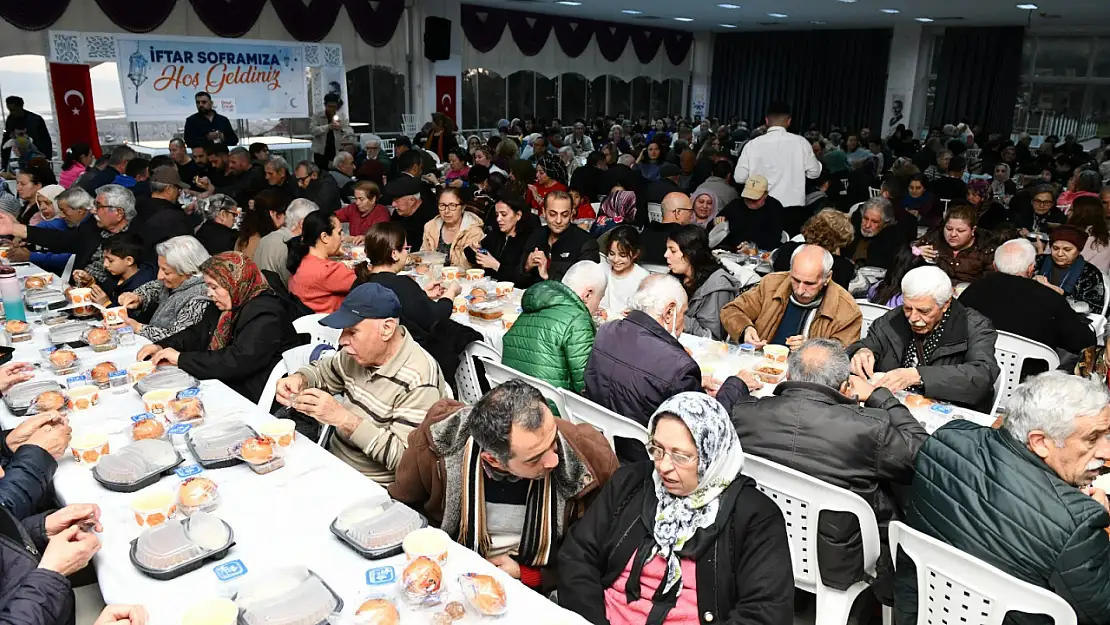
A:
<point x="655" y="212"/>
<point x="1011" y="351"/>
<point x="389" y="147"/>
<point x="855" y="207"/>
<point x="946" y="202"/>
<point x="1105" y="293"/>
<point x="802" y="498"/>
<point x="266" y="399"/>
<point x="310" y="325"/>
<point x="435" y="157"/>
<point x="609" y="423"/>
<point x="466" y="376"/>
<point x="497" y="373"/>
<point x="955" y="588"/>
<point x="873" y="192"/>
<point x="871" y="312"/>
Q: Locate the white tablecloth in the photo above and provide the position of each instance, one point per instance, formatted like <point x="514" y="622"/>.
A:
<point x="279" y="519"/>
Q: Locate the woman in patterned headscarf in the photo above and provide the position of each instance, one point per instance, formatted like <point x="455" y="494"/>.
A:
<point x="619" y="207"/>
<point x="239" y="339"/>
<point x="686" y="538"/>
<point x="551" y="175"/>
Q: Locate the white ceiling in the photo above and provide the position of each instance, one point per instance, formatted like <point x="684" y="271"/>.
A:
<point x="753" y="14"/>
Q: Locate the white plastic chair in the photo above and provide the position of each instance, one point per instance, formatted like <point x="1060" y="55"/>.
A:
<point x="310" y="325"/>
<point x="871" y="312"/>
<point x="873" y="192"/>
<point x="1011" y="351"/>
<point x="955" y="588"/>
<point x="596" y="206"/>
<point x="655" y="212"/>
<point x="466" y="376"/>
<point x="497" y="373"/>
<point x="855" y="207"/>
<point x="270" y="390"/>
<point x="435" y="157"/>
<point x="389" y="147"/>
<point x="609" y="423"/>
<point x="802" y="498"/>
<point x="946" y="202"/>
<point x="1105" y="293"/>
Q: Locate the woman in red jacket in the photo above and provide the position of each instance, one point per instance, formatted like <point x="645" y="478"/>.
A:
<point x="319" y="282"/>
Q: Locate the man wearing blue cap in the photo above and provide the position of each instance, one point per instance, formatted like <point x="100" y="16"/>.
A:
<point x="388" y="383"/>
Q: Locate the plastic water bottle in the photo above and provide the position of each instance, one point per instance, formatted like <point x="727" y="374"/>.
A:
<point x="11" y="292"/>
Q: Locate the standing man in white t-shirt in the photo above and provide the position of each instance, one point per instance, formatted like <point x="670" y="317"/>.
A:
<point x="785" y="159"/>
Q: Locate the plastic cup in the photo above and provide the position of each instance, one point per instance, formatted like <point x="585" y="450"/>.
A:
<point x="459" y="305"/>
<point x="504" y="289"/>
<point x="508" y="319"/>
<point x="153" y="506"/>
<point x="89" y="447"/>
<point x="428" y="542"/>
<point x="115" y="316"/>
<point x="158" y="402"/>
<point x="776" y="353"/>
<point x="475" y="274"/>
<point x="282" y="431"/>
<point x="218" y="611"/>
<point x="84" y="397"/>
<point x="81" y="296"/>
<point x="451" y="273"/>
<point x="139" y="370"/>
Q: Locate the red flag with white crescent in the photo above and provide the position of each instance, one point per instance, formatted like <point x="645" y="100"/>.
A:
<point x="73" y="100"/>
<point x="445" y="96"/>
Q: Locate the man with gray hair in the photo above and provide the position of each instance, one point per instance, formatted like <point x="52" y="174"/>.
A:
<point x="273" y="249"/>
<point x="553" y="337"/>
<point x="279" y="177"/>
<point x="878" y="237"/>
<point x="1016" y="303"/>
<point x="117" y="166"/>
<point x="933" y="345"/>
<point x="814" y="424"/>
<point x="321" y="190"/>
<point x="1019" y="498"/>
<point x="343" y="172"/>
<point x="491" y="475"/>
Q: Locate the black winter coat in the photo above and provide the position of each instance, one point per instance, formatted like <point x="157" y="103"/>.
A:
<point x="28" y="474"/>
<point x="261" y="334"/>
<point x="745" y="577"/>
<point x="216" y="238"/>
<point x="156" y="221"/>
<point x="573" y="245"/>
<point x="81" y="241"/>
<point x="1030" y="309"/>
<point x="30" y="595"/>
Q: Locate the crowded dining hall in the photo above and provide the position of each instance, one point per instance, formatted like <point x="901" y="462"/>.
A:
<point x="694" y="349"/>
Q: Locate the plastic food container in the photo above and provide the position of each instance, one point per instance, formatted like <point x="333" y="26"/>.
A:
<point x="197" y="494"/>
<point x="428" y="258"/>
<point x="486" y="311"/>
<point x="52" y="319"/>
<point x="83" y="397"/>
<point x="287" y="596"/>
<point x="100" y="339"/>
<point x="139" y="370"/>
<point x="20" y="397"/>
<point x="60" y="361"/>
<point x="218" y="611"/>
<point x="422" y="582"/>
<point x="157" y="402"/>
<point x="261" y="454"/>
<point x="484" y="593"/>
<point x="376" y="528"/>
<point x="508" y="319"/>
<point x="38" y="281"/>
<point x="427" y="542"/>
<point x="282" y="431"/>
<point x="165" y="378"/>
<point x="137" y="465"/>
<point x="776" y="353"/>
<point x="89" y="447"/>
<point x="52" y="298"/>
<point x="747" y="349"/>
<point x="177" y="547"/>
<point x="187" y="407"/>
<point x="214" y="445"/>
<point x="101" y="373"/>
<point x="71" y="333"/>
<point x="153" y="506"/>
<point x="770" y="372"/>
<point x="19" y="331"/>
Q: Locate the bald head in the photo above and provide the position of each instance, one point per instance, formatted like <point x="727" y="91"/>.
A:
<point x="677" y="208"/>
<point x="810" y="272"/>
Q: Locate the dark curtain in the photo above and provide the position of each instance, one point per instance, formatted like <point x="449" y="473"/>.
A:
<point x="484" y="27"/>
<point x="227" y="18"/>
<point x="978" y="77"/>
<point x="828" y="77"/>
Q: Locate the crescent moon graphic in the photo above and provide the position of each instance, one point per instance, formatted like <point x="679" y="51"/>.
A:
<point x="446" y="99"/>
<point x="65" y="97"/>
<point x="293" y="103"/>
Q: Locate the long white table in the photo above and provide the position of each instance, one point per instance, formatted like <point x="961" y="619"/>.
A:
<point x="279" y="519"/>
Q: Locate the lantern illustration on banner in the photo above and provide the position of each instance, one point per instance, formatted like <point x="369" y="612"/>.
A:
<point x="286" y="57"/>
<point x="137" y="66"/>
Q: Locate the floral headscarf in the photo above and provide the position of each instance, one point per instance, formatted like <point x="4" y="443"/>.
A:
<point x="720" y="460"/>
<point x="619" y="206"/>
<point x="554" y="167"/>
<point x="236" y="273"/>
<point x="982" y="188"/>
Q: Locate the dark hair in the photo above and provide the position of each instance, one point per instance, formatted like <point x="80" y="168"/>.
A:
<point x="957" y="163"/>
<point x="332" y="98"/>
<point x="1089" y="180"/>
<point x="123" y="245"/>
<point x="778" y="109"/>
<point x="370" y="188"/>
<point x="492" y="418"/>
<point x="315" y="225"/>
<point x="382" y="239"/>
<point x="1088" y="214"/>
<point x="477" y="174"/>
<point x="662" y="151"/>
<point x="723" y="168"/>
<point x="217" y="149"/>
<point x="410" y="159"/>
<point x="963" y="212"/>
<point x="693" y="242"/>
<point x="402" y="142"/>
<point x="460" y="154"/>
<point x="594" y="158"/>
<point x="202" y="93"/>
<point x="449" y="191"/>
<point x="258" y="220"/>
<point x="161" y="160"/>
<point x="14" y="100"/>
<point x="891" y="284"/>
<point x="514" y="202"/>
<point x="76" y="152"/>
<point x="205" y="145"/>
<point x="626" y="239"/>
<point x="39" y="174"/>
<point x="495" y="184"/>
<point x="918" y="177"/>
<point x="258" y="148"/>
<point x="136" y="166"/>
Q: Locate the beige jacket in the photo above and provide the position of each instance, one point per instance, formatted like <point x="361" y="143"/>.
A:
<point x="321" y="125"/>
<point x="470" y="233"/>
<point x="837" y="318"/>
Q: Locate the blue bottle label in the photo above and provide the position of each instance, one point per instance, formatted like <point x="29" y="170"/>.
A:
<point x="230" y="570"/>
<point x="381" y="575"/>
<point x="188" y="470"/>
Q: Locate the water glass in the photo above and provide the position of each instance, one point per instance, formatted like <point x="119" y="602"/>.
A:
<point x="125" y="336"/>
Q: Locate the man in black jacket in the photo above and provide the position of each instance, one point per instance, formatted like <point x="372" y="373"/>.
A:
<point x="20" y="118"/>
<point x="678" y="210"/>
<point x="208" y="126"/>
<point x="878" y="238"/>
<point x="589" y="180"/>
<point x="412" y="207"/>
<point x="160" y="217"/>
<point x="814" y="424"/>
<point x="321" y="189"/>
<point x="1014" y="302"/>
<point x="552" y="249"/>
<point x="117" y="165"/>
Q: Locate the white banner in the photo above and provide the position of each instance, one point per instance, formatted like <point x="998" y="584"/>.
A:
<point x="161" y="76"/>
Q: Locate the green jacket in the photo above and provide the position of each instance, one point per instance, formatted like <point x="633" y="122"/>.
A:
<point x="986" y="494"/>
<point x="553" y="337"/>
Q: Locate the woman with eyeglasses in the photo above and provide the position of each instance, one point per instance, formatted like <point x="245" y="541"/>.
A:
<point x="217" y="233"/>
<point x="318" y="281"/>
<point x="422" y="307"/>
<point x="685" y="538"/>
<point x="455" y="230"/>
<point x="1040" y="215"/>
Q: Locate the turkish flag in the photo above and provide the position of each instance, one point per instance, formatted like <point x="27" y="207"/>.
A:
<point x="73" y="100"/>
<point x="445" y="96"/>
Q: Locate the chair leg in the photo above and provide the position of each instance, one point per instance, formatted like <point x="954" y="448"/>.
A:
<point x="888" y="615"/>
<point x="833" y="606"/>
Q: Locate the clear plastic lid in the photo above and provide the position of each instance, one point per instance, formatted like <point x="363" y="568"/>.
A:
<point x="165" y="378"/>
<point x="43" y="296"/>
<point x="289" y="596"/>
<point x="137" y="461"/>
<point x="22" y="395"/>
<point x="484" y="593"/>
<point x="217" y="441"/>
<point x="69" y="332"/>
<point x="379" y="523"/>
<point x="178" y="542"/>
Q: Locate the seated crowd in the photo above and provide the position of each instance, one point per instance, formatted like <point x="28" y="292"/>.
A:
<point x="762" y="237"/>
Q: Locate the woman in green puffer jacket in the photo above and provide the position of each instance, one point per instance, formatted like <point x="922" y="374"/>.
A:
<point x="553" y="337"/>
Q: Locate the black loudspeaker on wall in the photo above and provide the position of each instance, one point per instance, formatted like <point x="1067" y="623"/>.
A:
<point x="437" y="38"/>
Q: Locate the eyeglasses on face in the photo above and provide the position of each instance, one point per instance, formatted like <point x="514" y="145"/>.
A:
<point x="680" y="460"/>
<point x="450" y="207"/>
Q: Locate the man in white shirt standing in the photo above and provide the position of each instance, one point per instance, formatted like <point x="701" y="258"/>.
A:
<point x="785" y="159"/>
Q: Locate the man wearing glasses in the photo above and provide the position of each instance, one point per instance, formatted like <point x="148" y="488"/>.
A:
<point x="504" y="477"/>
<point x="678" y="210"/>
<point x="322" y="191"/>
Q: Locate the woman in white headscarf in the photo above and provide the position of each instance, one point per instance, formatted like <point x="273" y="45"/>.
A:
<point x="685" y="538"/>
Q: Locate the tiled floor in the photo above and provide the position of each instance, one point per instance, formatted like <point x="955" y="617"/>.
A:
<point x="89" y="604"/>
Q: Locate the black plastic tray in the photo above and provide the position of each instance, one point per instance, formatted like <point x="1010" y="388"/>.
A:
<point x="338" y="600"/>
<point x="149" y="480"/>
<point x="214" y="464"/>
<point x="372" y="554"/>
<point x="187" y="567"/>
<point x="21" y="411"/>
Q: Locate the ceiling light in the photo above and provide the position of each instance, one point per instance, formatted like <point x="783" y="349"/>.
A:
<point x="568" y="3"/>
<point x="683" y="19"/>
<point x="923" y="20"/>
<point x="729" y="6"/>
<point x="847" y="1"/>
<point x="728" y="25"/>
<point x="631" y="12"/>
<point x="890" y="11"/>
<point x="777" y="15"/>
<point x="1028" y="7"/>
<point x="818" y="22"/>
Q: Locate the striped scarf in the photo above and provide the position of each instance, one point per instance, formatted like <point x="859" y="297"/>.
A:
<point x="541" y="513"/>
<point x="912" y="359"/>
